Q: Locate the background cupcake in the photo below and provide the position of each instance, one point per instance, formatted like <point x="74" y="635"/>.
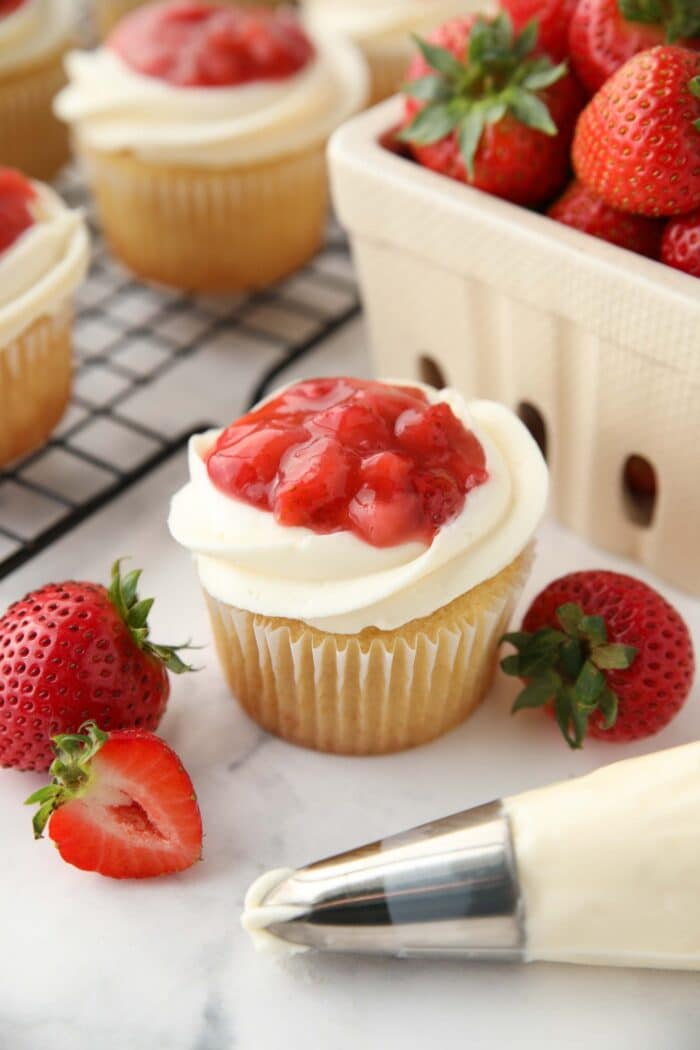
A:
<point x="34" y="36"/>
<point x="383" y="30"/>
<point x="203" y="128"/>
<point x="361" y="547"/>
<point x="43" y="257"/>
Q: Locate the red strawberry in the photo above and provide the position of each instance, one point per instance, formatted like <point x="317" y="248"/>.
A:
<point x="607" y="653"/>
<point x="553" y="18"/>
<point x="121" y="804"/>
<point x="637" y="142"/>
<point x="581" y="208"/>
<point x="75" y="651"/>
<point x="484" y="107"/>
<point x="680" y="246"/>
<point x="604" y="34"/>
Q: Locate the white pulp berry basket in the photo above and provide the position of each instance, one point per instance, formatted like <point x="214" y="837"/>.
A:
<point x="596" y="348"/>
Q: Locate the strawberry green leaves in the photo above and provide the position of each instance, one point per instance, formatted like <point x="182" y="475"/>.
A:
<point x="134" y="612"/>
<point x="69" y="772"/>
<point x="566" y="668"/>
<point x="694" y="87"/>
<point x="680" y="17"/>
<point x="499" y="76"/>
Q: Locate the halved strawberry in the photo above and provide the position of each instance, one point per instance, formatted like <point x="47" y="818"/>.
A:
<point x="120" y="804"/>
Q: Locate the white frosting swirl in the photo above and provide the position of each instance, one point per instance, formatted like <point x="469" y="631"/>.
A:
<point x="43" y="267"/>
<point x="116" y="108"/>
<point x="35" y="30"/>
<point x="339" y="583"/>
<point x="383" y="21"/>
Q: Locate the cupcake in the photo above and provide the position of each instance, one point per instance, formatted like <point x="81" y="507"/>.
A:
<point x="361" y="546"/>
<point x="43" y="257"/>
<point x="383" y="29"/>
<point x="34" y="36"/>
<point x="108" y="12"/>
<point x="202" y="128"/>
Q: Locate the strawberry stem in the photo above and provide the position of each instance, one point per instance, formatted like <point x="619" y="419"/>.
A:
<point x="499" y="75"/>
<point x="565" y="667"/>
<point x="70" y="772"/>
<point x="123" y="593"/>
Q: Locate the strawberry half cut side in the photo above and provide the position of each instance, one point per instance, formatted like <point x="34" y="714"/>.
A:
<point x="501" y="75"/>
<point x="120" y="804"/>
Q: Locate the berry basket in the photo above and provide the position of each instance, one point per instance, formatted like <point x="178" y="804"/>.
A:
<point x="597" y="349"/>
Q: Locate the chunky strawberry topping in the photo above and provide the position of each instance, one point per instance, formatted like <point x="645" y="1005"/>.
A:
<point x="16" y="195"/>
<point x="339" y="455"/>
<point x="192" y="44"/>
<point x="7" y="7"/>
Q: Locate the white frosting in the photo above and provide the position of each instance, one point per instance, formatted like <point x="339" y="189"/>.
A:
<point x="341" y="584"/>
<point x="42" y="268"/>
<point x="115" y="108"/>
<point x="257" y="916"/>
<point x="384" y="21"/>
<point x="35" y="30"/>
<point x="609" y="863"/>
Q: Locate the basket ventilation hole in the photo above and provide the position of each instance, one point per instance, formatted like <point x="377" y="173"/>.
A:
<point x="639" y="489"/>
<point x="534" y="421"/>
<point x="430" y="372"/>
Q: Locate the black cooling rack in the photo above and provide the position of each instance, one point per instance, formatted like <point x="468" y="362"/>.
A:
<point x="128" y="336"/>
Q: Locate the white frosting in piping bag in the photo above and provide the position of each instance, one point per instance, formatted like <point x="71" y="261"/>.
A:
<point x="32" y="32"/>
<point x="341" y="584"/>
<point x="609" y="863"/>
<point x="43" y="266"/>
<point x="115" y="108"/>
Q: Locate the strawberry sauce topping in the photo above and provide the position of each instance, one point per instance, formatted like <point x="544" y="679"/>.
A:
<point x="8" y="7"/>
<point x="16" y="195"/>
<point x="192" y="44"/>
<point x="338" y="455"/>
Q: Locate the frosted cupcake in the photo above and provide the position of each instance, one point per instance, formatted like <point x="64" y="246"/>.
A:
<point x="203" y="128"/>
<point x="34" y="36"/>
<point x="361" y="546"/>
<point x="383" y="30"/>
<point x="108" y="12"/>
<point x="43" y="257"/>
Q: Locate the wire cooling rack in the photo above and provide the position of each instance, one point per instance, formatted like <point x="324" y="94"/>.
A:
<point x="128" y="336"/>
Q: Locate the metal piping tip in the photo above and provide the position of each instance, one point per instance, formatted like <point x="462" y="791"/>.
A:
<point x="446" y="888"/>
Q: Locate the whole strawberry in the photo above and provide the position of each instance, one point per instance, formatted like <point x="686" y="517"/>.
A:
<point x="604" y="34"/>
<point x="120" y="804"/>
<point x="637" y="142"/>
<point x="553" y="18"/>
<point x="76" y="651"/>
<point x="581" y="208"/>
<point x="606" y="654"/>
<point x="484" y="107"/>
<point x="680" y="246"/>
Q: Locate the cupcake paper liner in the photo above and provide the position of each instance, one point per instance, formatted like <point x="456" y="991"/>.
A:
<point x="31" y="137"/>
<point x="375" y="692"/>
<point x="211" y="229"/>
<point x="35" y="380"/>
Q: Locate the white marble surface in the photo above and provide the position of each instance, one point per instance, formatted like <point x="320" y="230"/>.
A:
<point x="91" y="964"/>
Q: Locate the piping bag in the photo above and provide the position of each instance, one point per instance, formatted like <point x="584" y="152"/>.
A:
<point x="601" y="869"/>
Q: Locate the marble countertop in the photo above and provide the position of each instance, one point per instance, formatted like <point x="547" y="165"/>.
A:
<point x="92" y="964"/>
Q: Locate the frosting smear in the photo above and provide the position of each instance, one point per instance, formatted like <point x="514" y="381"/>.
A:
<point x="335" y="455"/>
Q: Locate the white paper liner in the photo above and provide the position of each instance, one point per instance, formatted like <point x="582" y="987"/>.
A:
<point x="368" y="695"/>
